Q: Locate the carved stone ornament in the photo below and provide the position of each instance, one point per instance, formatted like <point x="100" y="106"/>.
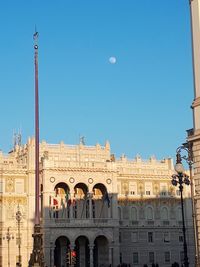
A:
<point x="10" y="185"/>
<point x="108" y="181"/>
<point x="90" y="180"/>
<point x="71" y="180"/>
<point x="52" y="179"/>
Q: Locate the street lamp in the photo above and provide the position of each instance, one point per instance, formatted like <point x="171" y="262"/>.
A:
<point x="18" y="218"/>
<point x="8" y="238"/>
<point x="181" y="178"/>
<point x="188" y="157"/>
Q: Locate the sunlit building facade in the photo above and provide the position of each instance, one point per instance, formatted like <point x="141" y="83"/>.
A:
<point x="107" y="210"/>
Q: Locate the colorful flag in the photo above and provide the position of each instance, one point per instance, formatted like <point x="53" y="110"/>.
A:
<point x="106" y="199"/>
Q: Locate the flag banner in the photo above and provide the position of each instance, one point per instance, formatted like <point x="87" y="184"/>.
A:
<point x="106" y="199"/>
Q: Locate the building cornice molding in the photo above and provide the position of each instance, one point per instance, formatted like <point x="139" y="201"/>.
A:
<point x="68" y="169"/>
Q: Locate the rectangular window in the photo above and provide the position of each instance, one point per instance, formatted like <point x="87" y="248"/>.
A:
<point x="133" y="188"/>
<point x="134" y="237"/>
<point x="120" y="237"/>
<point x="166" y="237"/>
<point x="178" y="193"/>
<point x="120" y="258"/>
<point x="151" y="257"/>
<point x="180" y="238"/>
<point x="135" y="258"/>
<point x="148" y="193"/>
<point x="150" y="237"/>
<point x="182" y="256"/>
<point x="167" y="256"/>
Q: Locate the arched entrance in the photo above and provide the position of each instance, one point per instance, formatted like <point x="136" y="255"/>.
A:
<point x="60" y="253"/>
<point x="82" y="252"/>
<point x="101" y="251"/>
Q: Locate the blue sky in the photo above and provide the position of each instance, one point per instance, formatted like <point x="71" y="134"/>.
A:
<point x="141" y="104"/>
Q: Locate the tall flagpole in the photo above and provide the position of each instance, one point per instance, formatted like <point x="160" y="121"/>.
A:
<point x="37" y="256"/>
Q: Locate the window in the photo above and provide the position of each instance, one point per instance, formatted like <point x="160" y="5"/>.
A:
<point x="166" y="237"/>
<point x="178" y="193"/>
<point x="133" y="188"/>
<point x="148" y="188"/>
<point x="120" y="257"/>
<point x="164" y="213"/>
<point x="120" y="237"/>
<point x="180" y="238"/>
<point x="135" y="258"/>
<point x="167" y="256"/>
<point x="133" y="214"/>
<point x="134" y="237"/>
<point x="182" y="256"/>
<point x="163" y="189"/>
<point x="119" y="213"/>
<point x="151" y="257"/>
<point x="150" y="237"/>
<point x="149" y="213"/>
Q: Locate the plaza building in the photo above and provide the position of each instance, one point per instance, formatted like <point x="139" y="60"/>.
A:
<point x="194" y="134"/>
<point x="107" y="210"/>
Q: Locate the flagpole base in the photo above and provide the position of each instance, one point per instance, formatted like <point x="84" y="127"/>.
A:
<point x="37" y="256"/>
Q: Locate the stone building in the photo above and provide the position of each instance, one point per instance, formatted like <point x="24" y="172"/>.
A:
<point x="105" y="209"/>
<point x="194" y="135"/>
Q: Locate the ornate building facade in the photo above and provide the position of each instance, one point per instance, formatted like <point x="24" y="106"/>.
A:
<point x="194" y="135"/>
<point x="105" y="209"/>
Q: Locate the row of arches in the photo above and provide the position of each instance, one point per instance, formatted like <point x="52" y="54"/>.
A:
<point x="79" y="203"/>
<point x="80" y="190"/>
<point x="86" y="254"/>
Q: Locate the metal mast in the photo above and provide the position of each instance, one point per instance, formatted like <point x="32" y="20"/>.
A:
<point x="37" y="256"/>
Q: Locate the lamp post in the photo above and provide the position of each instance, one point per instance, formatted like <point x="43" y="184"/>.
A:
<point x="181" y="178"/>
<point x="18" y="218"/>
<point x="188" y="157"/>
<point x="8" y="238"/>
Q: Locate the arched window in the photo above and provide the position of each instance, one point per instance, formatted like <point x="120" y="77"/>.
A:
<point x="164" y="214"/>
<point x="134" y="214"/>
<point x="149" y="213"/>
<point x="179" y="214"/>
<point x="119" y="213"/>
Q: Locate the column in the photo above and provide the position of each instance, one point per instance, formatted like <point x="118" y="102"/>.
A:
<point x="52" y="247"/>
<point x="111" y="256"/>
<point x="90" y="205"/>
<point x="110" y="207"/>
<point x="71" y="207"/>
<point x="91" y="255"/>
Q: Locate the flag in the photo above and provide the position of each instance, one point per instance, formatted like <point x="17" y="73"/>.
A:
<point x="106" y="199"/>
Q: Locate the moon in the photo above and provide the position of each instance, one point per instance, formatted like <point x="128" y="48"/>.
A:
<point x="112" y="60"/>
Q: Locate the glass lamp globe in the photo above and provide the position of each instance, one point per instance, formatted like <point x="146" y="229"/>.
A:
<point x="179" y="168"/>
